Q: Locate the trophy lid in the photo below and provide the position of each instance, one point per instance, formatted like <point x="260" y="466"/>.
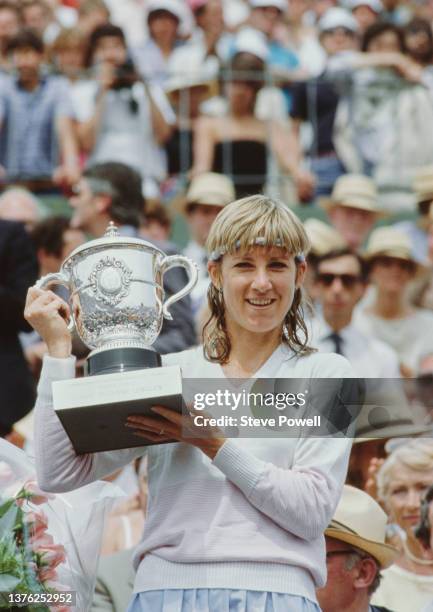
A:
<point x="113" y="238"/>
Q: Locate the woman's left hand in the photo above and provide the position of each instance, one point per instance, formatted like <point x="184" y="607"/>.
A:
<point x="169" y="425"/>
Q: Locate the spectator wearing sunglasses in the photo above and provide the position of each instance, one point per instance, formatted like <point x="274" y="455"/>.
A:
<point x="356" y="553"/>
<point x="340" y="282"/>
<point x="391" y="317"/>
<point x="352" y="208"/>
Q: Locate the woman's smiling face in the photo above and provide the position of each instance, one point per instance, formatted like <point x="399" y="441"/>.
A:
<point x="258" y="287"/>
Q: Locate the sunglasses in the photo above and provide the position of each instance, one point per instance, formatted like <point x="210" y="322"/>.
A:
<point x="347" y="280"/>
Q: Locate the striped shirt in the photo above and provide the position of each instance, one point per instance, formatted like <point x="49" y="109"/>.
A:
<point x="28" y="139"/>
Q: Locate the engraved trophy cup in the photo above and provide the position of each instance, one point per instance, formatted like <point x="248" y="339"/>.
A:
<point x="117" y="307"/>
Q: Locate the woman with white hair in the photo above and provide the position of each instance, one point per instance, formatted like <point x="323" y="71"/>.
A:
<point x="232" y="524"/>
<point x="402" y="481"/>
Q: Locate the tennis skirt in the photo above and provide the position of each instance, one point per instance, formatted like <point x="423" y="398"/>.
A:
<point x="219" y="600"/>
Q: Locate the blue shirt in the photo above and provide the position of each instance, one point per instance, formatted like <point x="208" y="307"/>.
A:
<point x="28" y="138"/>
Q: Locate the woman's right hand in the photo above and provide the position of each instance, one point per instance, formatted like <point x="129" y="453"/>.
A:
<point x="48" y="315"/>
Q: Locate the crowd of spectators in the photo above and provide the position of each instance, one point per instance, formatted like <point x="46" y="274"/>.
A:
<point x="155" y="114"/>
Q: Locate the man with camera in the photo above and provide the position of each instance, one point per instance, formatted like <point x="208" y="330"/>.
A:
<point x="120" y="117"/>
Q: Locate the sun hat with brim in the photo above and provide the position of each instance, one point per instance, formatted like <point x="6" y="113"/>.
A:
<point x="391" y="242"/>
<point x="181" y="82"/>
<point x="361" y="522"/>
<point x="423" y="184"/>
<point x="207" y="189"/>
<point x="281" y="5"/>
<point x="386" y="413"/>
<point x="337" y="17"/>
<point x="353" y="191"/>
<point x="174" y="7"/>
<point x="323" y="237"/>
<point x="375" y="5"/>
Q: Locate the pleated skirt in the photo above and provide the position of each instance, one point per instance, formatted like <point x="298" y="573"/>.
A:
<point x="219" y="600"/>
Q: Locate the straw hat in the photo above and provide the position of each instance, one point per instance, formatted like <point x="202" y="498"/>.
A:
<point x="182" y="81"/>
<point x="353" y="191"/>
<point x="361" y="522"/>
<point x="390" y="242"/>
<point x="323" y="237"/>
<point x="386" y="412"/>
<point x="423" y="184"/>
<point x="208" y="189"/>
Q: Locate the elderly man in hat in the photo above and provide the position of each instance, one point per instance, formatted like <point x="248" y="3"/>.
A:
<point x="352" y="208"/>
<point x="207" y="195"/>
<point x="356" y="552"/>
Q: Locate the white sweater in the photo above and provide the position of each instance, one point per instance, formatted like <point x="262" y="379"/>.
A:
<point x="253" y="518"/>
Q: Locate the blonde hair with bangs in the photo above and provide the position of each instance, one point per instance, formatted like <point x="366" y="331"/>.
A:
<point x="416" y="455"/>
<point x="239" y="226"/>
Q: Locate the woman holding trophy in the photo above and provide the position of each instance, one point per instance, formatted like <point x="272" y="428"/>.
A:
<point x="232" y="524"/>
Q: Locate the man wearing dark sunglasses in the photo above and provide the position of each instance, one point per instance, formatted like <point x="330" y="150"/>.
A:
<point x="340" y="282"/>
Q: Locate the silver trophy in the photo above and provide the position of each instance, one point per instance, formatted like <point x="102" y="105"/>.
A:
<point x="117" y="307"/>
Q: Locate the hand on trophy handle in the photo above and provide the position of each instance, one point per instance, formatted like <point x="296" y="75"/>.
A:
<point x="47" y="314"/>
<point x="190" y="266"/>
<point x="57" y="279"/>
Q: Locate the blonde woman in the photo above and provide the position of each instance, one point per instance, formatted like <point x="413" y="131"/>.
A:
<point x="402" y="481"/>
<point x="232" y="524"/>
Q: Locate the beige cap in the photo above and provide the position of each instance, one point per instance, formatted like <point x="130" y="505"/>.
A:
<point x="209" y="189"/>
<point x="353" y="191"/>
<point x="361" y="522"/>
<point x="181" y="82"/>
<point x="390" y="242"/>
<point x="423" y="184"/>
<point x="323" y="237"/>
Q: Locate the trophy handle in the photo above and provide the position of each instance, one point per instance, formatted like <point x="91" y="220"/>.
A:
<point x="190" y="266"/>
<point x="57" y="279"/>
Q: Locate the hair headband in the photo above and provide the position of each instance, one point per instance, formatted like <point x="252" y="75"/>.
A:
<point x="259" y="241"/>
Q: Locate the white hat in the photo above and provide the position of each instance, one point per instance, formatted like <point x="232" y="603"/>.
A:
<point x="361" y="522"/>
<point x="281" y="5"/>
<point x="375" y="5"/>
<point x="250" y="40"/>
<point x="337" y="17"/>
<point x="177" y="8"/>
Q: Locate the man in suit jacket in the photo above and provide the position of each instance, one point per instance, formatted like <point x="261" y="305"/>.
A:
<point x="18" y="271"/>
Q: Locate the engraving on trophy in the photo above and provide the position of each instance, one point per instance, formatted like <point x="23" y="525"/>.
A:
<point x="110" y="280"/>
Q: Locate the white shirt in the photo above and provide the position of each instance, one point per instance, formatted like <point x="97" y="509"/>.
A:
<point x="370" y="358"/>
<point x="410" y="337"/>
<point x="125" y="136"/>
<point x="199" y="255"/>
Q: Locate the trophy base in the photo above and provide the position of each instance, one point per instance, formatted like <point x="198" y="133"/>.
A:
<point x="124" y="359"/>
<point x="93" y="410"/>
